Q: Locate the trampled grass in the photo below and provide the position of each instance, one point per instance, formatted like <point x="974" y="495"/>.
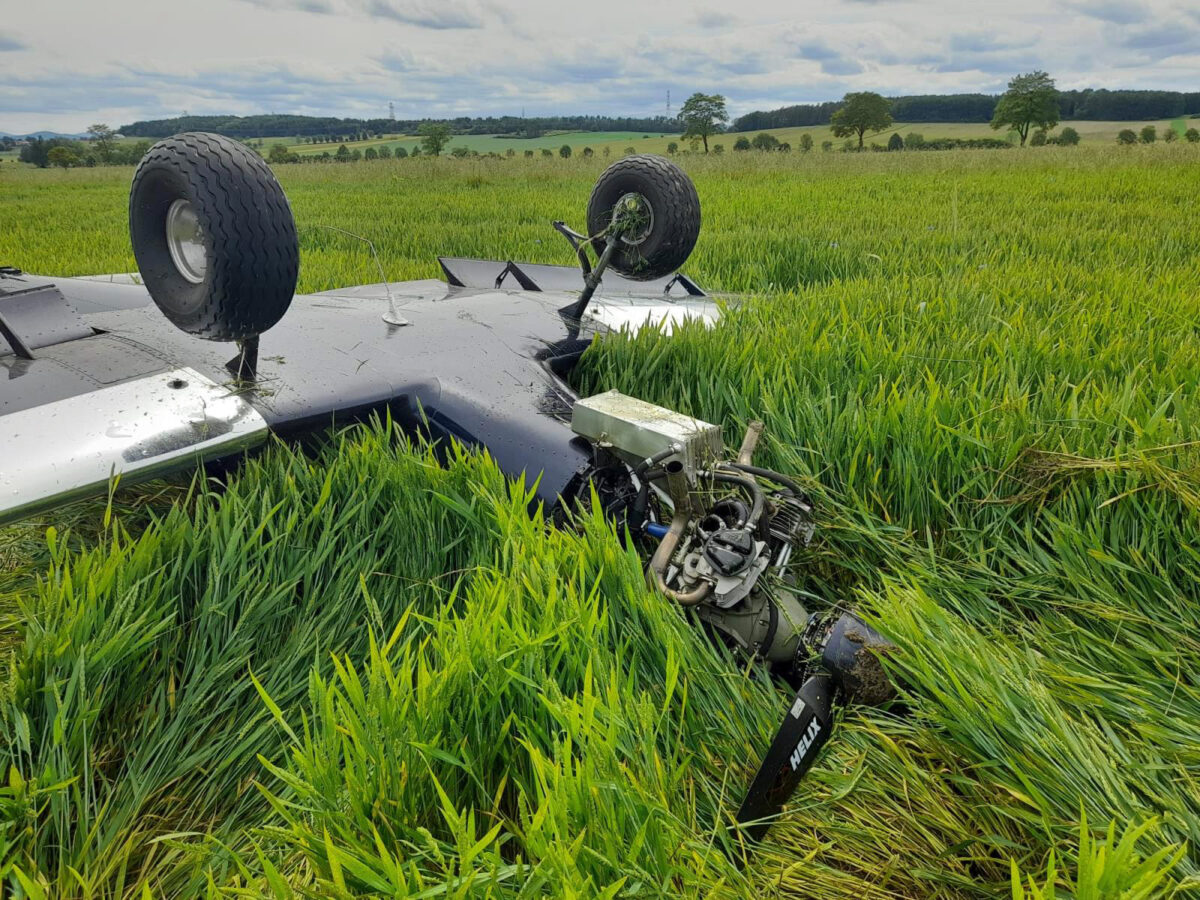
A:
<point x="366" y="673"/>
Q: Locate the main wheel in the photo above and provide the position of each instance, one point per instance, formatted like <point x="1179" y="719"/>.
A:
<point x="213" y="236"/>
<point x="661" y="213"/>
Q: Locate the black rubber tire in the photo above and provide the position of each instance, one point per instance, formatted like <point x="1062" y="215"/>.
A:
<point x="252" y="253"/>
<point x="676" y="209"/>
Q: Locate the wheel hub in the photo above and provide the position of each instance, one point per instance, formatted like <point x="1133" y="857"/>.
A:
<point x="185" y="241"/>
<point x="633" y="218"/>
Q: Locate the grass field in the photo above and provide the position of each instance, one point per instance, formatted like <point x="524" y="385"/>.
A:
<point x="367" y="674"/>
<point x="617" y="142"/>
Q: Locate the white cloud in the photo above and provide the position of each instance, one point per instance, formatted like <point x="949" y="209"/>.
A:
<point x="496" y="57"/>
<point x="1120" y="12"/>
<point x="438" y="16"/>
<point x="714" y="18"/>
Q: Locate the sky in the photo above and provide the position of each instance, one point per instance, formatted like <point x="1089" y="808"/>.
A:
<point x="65" y="65"/>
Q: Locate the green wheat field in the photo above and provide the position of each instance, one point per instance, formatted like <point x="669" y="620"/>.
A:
<point x="362" y="672"/>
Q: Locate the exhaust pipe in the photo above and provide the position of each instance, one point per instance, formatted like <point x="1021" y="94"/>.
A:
<point x="677" y="488"/>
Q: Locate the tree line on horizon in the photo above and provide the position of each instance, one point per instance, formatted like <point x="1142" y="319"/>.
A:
<point x="1089" y="105"/>
<point x="1100" y="105"/>
<point x="1028" y="111"/>
<point x="336" y="130"/>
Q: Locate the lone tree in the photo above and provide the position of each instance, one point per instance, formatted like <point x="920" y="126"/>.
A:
<point x="703" y="115"/>
<point x="862" y="112"/>
<point x="1127" y="136"/>
<point x="434" y="137"/>
<point x="102" y="138"/>
<point x="1031" y="101"/>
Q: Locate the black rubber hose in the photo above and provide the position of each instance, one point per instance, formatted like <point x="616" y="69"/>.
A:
<point x="770" y="475"/>
<point x="637" y="512"/>
<point x="754" y="490"/>
<point x="643" y="472"/>
<point x="654" y="460"/>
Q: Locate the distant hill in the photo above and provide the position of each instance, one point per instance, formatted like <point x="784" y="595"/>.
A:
<point x="44" y="135"/>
